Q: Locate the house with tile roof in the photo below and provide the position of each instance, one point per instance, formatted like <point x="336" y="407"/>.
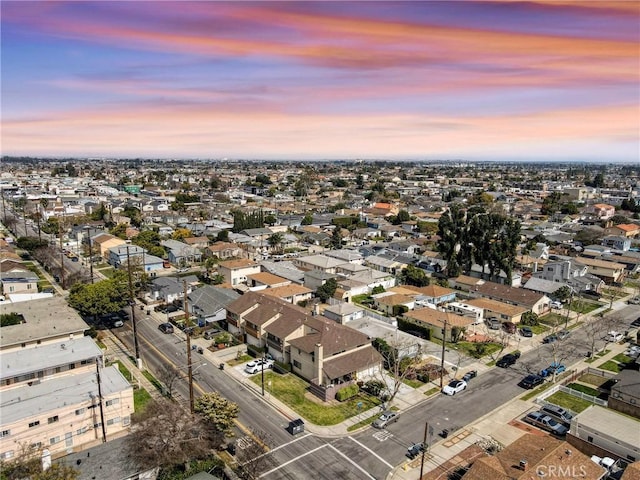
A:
<point x="320" y="350"/>
<point x="437" y="321"/>
<point x="534" y="456"/>
<point x="628" y="230"/>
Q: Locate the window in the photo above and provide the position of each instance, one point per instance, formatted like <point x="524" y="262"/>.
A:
<point x="631" y="457"/>
<point x="80" y="411"/>
<point x="82" y="430"/>
<point x="126" y="420"/>
<point x="37" y="445"/>
<point x="72" y="366"/>
<point x="53" y="419"/>
<point x="590" y="439"/>
<point x="34" y="424"/>
<point x="97" y="425"/>
<point x="5" y="433"/>
<point x="113" y="401"/>
<point x="54" y="440"/>
<point x="114" y="420"/>
<point x="297" y="364"/>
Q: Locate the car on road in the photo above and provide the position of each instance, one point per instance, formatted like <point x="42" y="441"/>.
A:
<point x="118" y="324"/>
<point x="545" y="422"/>
<point x="469" y="375"/>
<point x="455" y="386"/>
<point x="415" y="449"/>
<point x="562" y="334"/>
<point x="385" y="419"/>
<point x="614" y="336"/>
<point x="508" y="360"/>
<point x="526" y="332"/>
<point x="550" y="338"/>
<point x="531" y="381"/>
<point x="166" y="327"/>
<point x="633" y="351"/>
<point x="551" y="369"/>
<point x="258" y="365"/>
<point x="634" y="301"/>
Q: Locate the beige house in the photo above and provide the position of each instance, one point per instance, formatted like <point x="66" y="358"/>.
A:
<point x="262" y="280"/>
<point x="609" y="272"/>
<point x="437" y="321"/>
<point x="236" y="272"/>
<point x="628" y="230"/>
<point x="197" y="242"/>
<point x="290" y="293"/>
<point x="103" y="242"/>
<point x="493" y="309"/>
<point x="384" y="302"/>
<point x="323" y="263"/>
<point x="224" y="250"/>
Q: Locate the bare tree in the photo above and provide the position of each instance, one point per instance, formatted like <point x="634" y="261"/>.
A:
<point x="168" y="375"/>
<point x="400" y="357"/>
<point x="250" y="453"/>
<point x="596" y="331"/>
<point x="167" y="436"/>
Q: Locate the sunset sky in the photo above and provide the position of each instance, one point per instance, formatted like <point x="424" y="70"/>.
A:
<point x="499" y="80"/>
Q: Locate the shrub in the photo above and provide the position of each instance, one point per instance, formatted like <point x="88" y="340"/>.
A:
<point x="374" y="387"/>
<point x="530" y="319"/>
<point x="347" y="392"/>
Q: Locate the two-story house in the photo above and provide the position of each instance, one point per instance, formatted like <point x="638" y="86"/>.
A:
<point x="236" y="272"/>
<point x="609" y="272"/>
<point x="180" y="253"/>
<point x="224" y="250"/>
<point x="571" y="273"/>
<point x="18" y="281"/>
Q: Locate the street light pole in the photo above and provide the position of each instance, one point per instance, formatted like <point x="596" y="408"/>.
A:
<point x="90" y="252"/>
<point x="444" y="343"/>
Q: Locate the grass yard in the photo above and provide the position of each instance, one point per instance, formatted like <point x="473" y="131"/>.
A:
<point x="291" y="390"/>
<point x="584" y="389"/>
<point x="592" y="379"/>
<point x="140" y="399"/>
<point x="611" y="366"/>
<point x="124" y="371"/>
<point x="107" y="272"/>
<point x="472" y="348"/>
<point x="363" y="423"/>
<point x="585" y="306"/>
<point x="431" y="391"/>
<point x="238" y="361"/>
<point x="412" y="383"/>
<point x="552" y="319"/>
<point x="539" y="329"/>
<point x="153" y="380"/>
<point x="568" y="401"/>
<point x="622" y="358"/>
<point x="537" y="391"/>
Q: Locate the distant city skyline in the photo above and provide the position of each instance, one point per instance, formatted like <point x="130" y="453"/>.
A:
<point x="545" y="81"/>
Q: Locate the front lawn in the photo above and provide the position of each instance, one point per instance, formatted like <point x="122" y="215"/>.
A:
<point x="539" y="329"/>
<point x="565" y="400"/>
<point x="476" y="349"/>
<point x="552" y="319"/>
<point x="592" y="379"/>
<point x="585" y="306"/>
<point x="140" y="399"/>
<point x="584" y="389"/>
<point x="291" y="390"/>
<point x="622" y="358"/>
<point x="611" y="366"/>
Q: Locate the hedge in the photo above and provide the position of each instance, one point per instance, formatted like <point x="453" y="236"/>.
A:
<point x="347" y="392"/>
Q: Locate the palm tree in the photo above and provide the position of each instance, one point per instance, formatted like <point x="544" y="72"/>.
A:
<point x="275" y="241"/>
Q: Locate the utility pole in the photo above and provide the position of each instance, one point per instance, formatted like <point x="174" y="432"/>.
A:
<point x="424" y="449"/>
<point x="90" y="252"/>
<point x="189" y="365"/>
<point x="444" y="343"/>
<point x="132" y="303"/>
<point x="104" y="427"/>
<point x="61" y="252"/>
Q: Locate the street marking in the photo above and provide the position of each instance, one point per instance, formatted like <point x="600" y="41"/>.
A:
<point x="284" y="445"/>
<point x="382" y="436"/>
<point x="372" y="453"/>
<point x="294" y="460"/>
<point x="352" y="462"/>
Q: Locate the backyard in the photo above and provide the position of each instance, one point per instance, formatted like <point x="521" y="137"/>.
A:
<point x="292" y="391"/>
<point x="565" y="400"/>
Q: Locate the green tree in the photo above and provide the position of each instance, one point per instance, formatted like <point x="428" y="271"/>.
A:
<point x="181" y="233"/>
<point x="218" y="412"/>
<point x="150" y="241"/>
<point x="275" y="241"/>
<point x="414" y="276"/>
<point x="51" y="226"/>
<point x="223" y="236"/>
<point x="270" y="219"/>
<point x="562" y="294"/>
<point x="100" y="298"/>
<point x="119" y="230"/>
<point x="529" y="318"/>
<point x="30" y="243"/>
<point x="336" y="238"/>
<point x="307" y="219"/>
<point x="12" y="318"/>
<point x="326" y="290"/>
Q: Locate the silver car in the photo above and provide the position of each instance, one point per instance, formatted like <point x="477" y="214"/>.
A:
<point x="385" y="419"/>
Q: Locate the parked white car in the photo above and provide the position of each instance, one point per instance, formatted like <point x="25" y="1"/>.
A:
<point x="614" y="336"/>
<point x="454" y="387"/>
<point x="257" y="365"/>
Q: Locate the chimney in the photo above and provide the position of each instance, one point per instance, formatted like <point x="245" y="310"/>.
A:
<point x="318" y="352"/>
<point x="523" y="465"/>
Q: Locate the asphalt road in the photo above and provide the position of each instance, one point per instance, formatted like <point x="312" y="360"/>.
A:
<point x="370" y="453"/>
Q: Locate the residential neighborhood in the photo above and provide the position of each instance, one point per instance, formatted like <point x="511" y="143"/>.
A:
<point x="134" y="282"/>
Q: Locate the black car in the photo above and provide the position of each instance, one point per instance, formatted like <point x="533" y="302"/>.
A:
<point x="636" y="322"/>
<point x="414" y="450"/>
<point x="508" y="360"/>
<point x="531" y="381"/>
<point x="550" y="338"/>
<point x="526" y="332"/>
<point x="469" y="375"/>
<point x="166" y="327"/>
